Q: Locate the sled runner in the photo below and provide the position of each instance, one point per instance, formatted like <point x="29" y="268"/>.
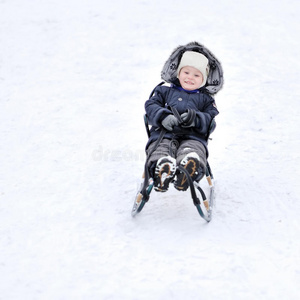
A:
<point x="203" y="203"/>
<point x="214" y="82"/>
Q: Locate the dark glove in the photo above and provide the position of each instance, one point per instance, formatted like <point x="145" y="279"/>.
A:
<point x="169" y="122"/>
<point x="189" y="118"/>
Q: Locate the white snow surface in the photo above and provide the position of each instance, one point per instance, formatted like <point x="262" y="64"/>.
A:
<point x="74" y="77"/>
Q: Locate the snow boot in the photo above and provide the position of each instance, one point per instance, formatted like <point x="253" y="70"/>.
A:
<point x="164" y="172"/>
<point x="191" y="162"/>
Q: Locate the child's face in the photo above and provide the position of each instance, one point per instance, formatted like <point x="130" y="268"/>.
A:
<point x="190" y="78"/>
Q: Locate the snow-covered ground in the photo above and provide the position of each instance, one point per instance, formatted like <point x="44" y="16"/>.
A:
<point x="74" y="76"/>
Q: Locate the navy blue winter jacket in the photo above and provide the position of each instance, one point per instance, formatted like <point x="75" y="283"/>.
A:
<point x="164" y="97"/>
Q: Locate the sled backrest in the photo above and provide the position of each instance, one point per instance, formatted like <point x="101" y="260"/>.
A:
<point x="211" y="128"/>
<point x="147" y="126"/>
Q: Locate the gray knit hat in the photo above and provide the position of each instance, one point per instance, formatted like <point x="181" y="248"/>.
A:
<point x="196" y="60"/>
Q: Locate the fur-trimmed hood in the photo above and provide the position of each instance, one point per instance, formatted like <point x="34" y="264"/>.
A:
<point x="215" y="77"/>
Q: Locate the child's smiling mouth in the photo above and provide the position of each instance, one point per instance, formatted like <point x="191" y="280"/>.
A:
<point x="189" y="82"/>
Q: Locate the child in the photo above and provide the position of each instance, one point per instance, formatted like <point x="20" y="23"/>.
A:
<point x="180" y="116"/>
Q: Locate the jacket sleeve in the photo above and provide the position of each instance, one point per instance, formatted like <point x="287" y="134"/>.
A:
<point x="155" y="107"/>
<point x="207" y="113"/>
